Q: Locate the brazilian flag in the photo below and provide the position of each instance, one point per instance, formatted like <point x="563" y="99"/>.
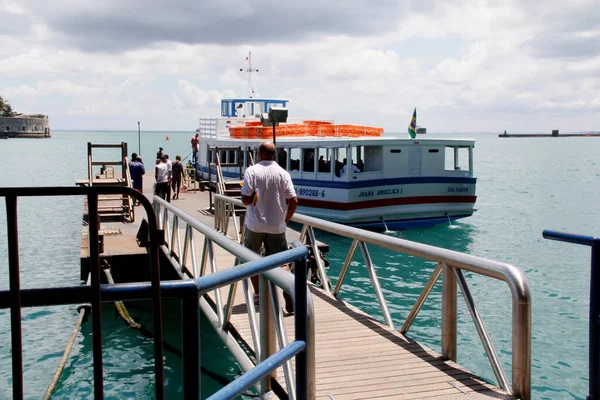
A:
<point x="412" y="128"/>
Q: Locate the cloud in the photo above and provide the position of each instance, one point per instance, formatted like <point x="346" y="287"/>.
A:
<point x="113" y="25"/>
<point x="565" y="31"/>
<point x="466" y="65"/>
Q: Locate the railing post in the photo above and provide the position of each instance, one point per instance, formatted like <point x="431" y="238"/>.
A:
<point x="594" y="328"/>
<point x="16" y="339"/>
<point x="448" y="313"/>
<point x="93" y="227"/>
<point x="376" y="286"/>
<point x="301" y="327"/>
<point x="190" y="317"/>
<point x="267" y="329"/>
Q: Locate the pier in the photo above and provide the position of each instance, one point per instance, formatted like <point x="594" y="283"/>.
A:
<point x="341" y="352"/>
<point x="554" y="133"/>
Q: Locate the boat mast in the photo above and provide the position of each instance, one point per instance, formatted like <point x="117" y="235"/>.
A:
<point x="250" y="70"/>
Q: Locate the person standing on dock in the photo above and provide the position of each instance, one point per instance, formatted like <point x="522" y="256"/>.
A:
<point x="170" y="169"/>
<point x="195" y="142"/>
<point x="161" y="174"/>
<point x="267" y="188"/>
<point x="159" y="153"/>
<point x="177" y="175"/>
<point x="137" y="170"/>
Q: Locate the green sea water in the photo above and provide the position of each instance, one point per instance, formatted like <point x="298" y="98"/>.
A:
<point x="524" y="186"/>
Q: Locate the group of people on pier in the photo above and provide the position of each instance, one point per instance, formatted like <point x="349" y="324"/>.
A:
<point x="168" y="175"/>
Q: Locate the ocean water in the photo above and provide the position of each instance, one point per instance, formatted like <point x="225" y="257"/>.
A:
<point x="524" y="186"/>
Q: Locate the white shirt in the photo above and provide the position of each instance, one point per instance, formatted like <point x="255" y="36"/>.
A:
<point x="354" y="169"/>
<point x="273" y="185"/>
<point x="163" y="173"/>
<point x="169" y="166"/>
<point x="239" y="112"/>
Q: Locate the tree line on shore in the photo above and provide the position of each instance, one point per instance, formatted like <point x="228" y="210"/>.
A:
<point x="6" y="109"/>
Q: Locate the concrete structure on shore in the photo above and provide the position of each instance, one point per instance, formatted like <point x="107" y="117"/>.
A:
<point x="25" y="126"/>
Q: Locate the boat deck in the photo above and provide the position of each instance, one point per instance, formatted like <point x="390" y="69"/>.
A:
<point x="357" y="357"/>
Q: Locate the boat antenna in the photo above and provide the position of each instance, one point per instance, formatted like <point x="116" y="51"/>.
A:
<point x="249" y="71"/>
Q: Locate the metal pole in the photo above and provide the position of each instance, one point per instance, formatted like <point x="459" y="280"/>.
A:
<point x="274" y="142"/>
<point x="156" y="240"/>
<point x="301" y="328"/>
<point x="376" y="286"/>
<point x="139" y="141"/>
<point x="94" y="226"/>
<point x="267" y="329"/>
<point x="594" y="340"/>
<point x="448" y="313"/>
<point x="15" y="296"/>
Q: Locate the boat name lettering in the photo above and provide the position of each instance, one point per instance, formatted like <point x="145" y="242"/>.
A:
<point x="311" y="192"/>
<point x="458" y="189"/>
<point x="380" y="192"/>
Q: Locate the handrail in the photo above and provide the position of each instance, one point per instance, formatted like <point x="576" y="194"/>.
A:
<point x="271" y="319"/>
<point x="594" y="313"/>
<point x="449" y="263"/>
<point x="94" y="292"/>
<point x="188" y="291"/>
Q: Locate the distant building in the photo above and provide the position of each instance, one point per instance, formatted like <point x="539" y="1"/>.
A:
<point x="25" y="126"/>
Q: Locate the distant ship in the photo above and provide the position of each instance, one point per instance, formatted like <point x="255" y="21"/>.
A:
<point x="421" y="130"/>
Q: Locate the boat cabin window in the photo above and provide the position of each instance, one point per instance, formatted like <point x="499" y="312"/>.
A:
<point x="457" y="158"/>
<point x="396" y="151"/>
<point x="324" y="160"/>
<point x="225" y="108"/>
<point x="282" y="158"/>
<point x="358" y="159"/>
<point x="308" y="157"/>
<point x="295" y="159"/>
<point x="231" y="157"/>
<point x="373" y="159"/>
<point x="339" y="160"/>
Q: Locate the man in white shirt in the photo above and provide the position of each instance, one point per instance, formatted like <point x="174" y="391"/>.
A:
<point x="355" y="169"/>
<point x="267" y="188"/>
<point x="162" y="176"/>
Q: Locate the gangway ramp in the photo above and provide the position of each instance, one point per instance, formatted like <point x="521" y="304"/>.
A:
<point x="357" y="357"/>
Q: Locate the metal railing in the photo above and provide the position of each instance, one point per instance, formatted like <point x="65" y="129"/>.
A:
<point x="15" y="298"/>
<point x="450" y="265"/>
<point x="594" y="314"/>
<point x="271" y="329"/>
<point x="188" y="291"/>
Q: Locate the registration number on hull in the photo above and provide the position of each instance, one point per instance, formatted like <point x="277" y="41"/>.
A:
<point x="311" y="192"/>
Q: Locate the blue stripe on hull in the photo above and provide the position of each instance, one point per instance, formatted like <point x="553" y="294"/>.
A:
<point x="361" y="184"/>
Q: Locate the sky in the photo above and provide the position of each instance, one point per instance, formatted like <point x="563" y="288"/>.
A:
<point x="466" y="65"/>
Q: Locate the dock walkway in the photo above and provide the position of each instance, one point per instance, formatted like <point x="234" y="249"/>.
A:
<point x="357" y="357"/>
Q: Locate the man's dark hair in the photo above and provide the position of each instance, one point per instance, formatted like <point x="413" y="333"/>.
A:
<point x="133" y="156"/>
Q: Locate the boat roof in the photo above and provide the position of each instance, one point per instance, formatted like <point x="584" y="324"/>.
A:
<point x="333" y="142"/>
<point x="254" y="100"/>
